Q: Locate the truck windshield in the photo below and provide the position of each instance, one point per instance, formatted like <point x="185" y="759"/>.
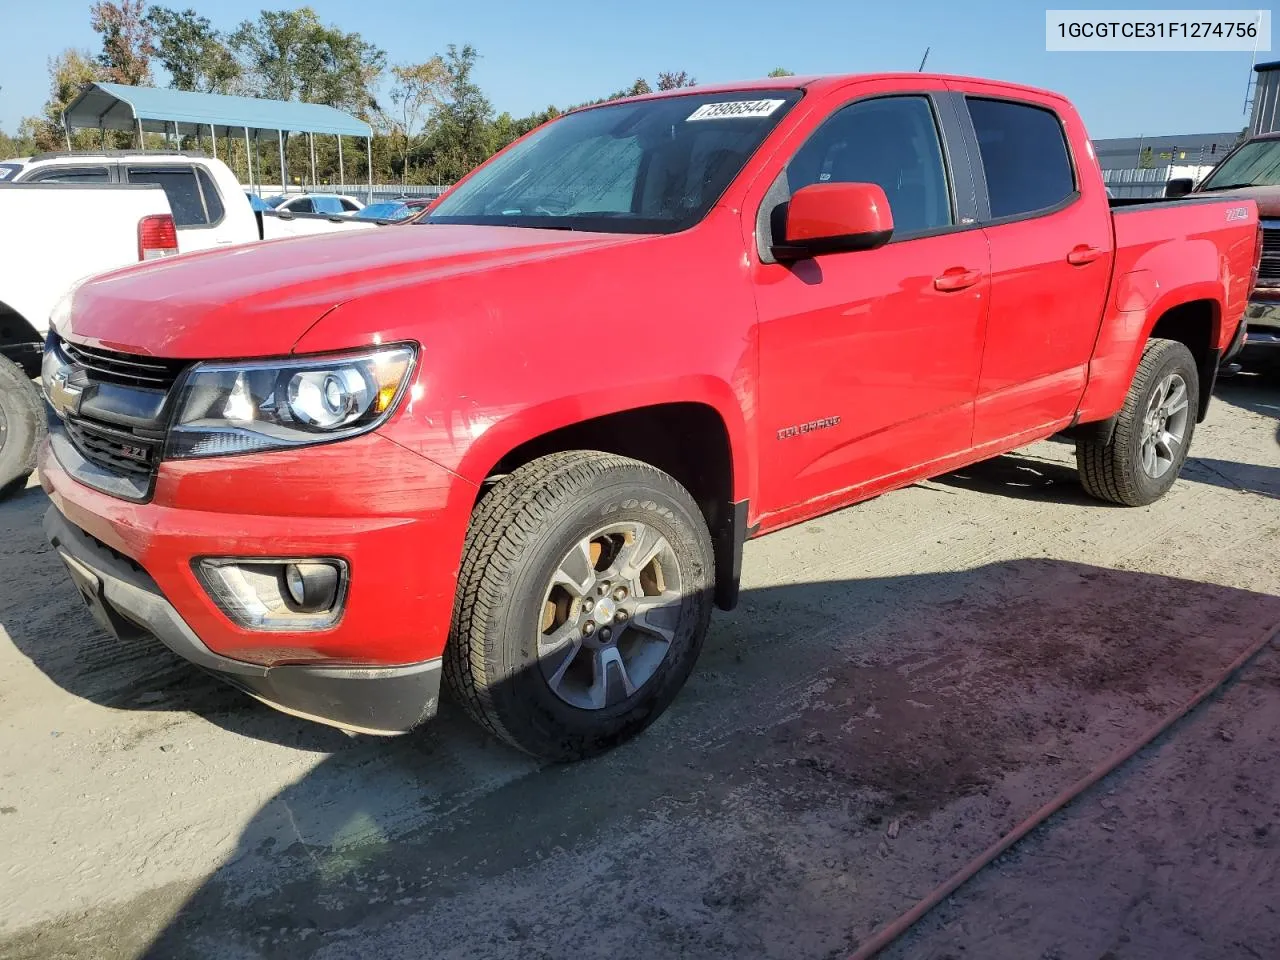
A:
<point x="652" y="166"/>
<point x="1255" y="164"/>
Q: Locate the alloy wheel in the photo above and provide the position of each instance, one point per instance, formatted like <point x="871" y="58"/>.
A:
<point x="1164" y="427"/>
<point x="609" y="615"/>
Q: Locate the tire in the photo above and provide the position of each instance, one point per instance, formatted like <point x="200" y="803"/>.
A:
<point x="513" y="602"/>
<point x="1117" y="471"/>
<point x="22" y="425"/>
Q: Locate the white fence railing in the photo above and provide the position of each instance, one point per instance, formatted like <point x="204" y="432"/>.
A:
<point x="1125" y="184"/>
<point x="381" y="191"/>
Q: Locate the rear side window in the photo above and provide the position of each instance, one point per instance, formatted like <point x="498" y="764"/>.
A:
<point x="1024" y="156"/>
<point x="212" y="201"/>
<point x="71" y="175"/>
<point x="327" y="205"/>
<point x="348" y="206"/>
<point x="180" y="187"/>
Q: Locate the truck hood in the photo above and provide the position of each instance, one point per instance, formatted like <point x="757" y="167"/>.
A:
<point x="259" y="299"/>
<point x="1267" y="198"/>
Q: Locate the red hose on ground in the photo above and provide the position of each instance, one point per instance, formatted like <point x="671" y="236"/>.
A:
<point x="891" y="932"/>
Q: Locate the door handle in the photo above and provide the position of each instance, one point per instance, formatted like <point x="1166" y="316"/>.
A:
<point x="1083" y="254"/>
<point x="957" y="278"/>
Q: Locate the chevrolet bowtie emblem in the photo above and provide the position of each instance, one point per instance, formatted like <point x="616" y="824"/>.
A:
<point x="64" y="396"/>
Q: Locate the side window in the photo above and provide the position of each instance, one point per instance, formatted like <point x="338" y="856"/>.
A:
<point x="327" y="205"/>
<point x="1024" y="156"/>
<point x="71" y="175"/>
<point x="180" y="187"/>
<point x="890" y="141"/>
<point x="212" y="201"/>
<point x="348" y="206"/>
<point x="301" y="205"/>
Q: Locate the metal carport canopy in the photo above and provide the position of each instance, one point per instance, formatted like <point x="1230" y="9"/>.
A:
<point x="117" y="106"/>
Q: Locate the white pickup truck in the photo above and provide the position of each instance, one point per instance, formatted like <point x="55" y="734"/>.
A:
<point x="68" y="216"/>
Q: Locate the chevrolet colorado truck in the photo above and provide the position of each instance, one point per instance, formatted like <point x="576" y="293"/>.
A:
<point x="1251" y="171"/>
<point x="518" y="446"/>
<point x="66" y="216"/>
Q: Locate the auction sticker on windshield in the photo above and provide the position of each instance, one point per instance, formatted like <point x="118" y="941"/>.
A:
<point x="735" y="109"/>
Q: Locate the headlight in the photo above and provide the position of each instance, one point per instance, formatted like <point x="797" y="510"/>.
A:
<point x="246" y="407"/>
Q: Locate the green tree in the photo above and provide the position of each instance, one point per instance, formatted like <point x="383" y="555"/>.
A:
<point x="781" y="72"/>
<point x="463" y="132"/>
<point x="195" y="54"/>
<point x="674" y="81"/>
<point x="17" y="146"/>
<point x="126" y="40"/>
<point x="69" y="71"/>
<point x="291" y="55"/>
<point x="637" y="89"/>
<point x="417" y="91"/>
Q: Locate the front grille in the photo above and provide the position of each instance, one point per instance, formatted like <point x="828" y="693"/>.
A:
<point x="1269" y="268"/>
<point x="117" y="426"/>
<point x="118" y="451"/>
<point x="125" y="369"/>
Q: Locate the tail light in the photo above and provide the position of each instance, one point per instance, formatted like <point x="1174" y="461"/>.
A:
<point x="1257" y="259"/>
<point x="157" y="237"/>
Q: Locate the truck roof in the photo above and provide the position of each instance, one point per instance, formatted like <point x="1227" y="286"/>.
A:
<point x="110" y="154"/>
<point x="820" y="82"/>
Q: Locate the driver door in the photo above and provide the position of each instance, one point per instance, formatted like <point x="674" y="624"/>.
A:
<point x="869" y="360"/>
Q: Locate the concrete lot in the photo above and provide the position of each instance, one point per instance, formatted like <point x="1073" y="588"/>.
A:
<point x="903" y="682"/>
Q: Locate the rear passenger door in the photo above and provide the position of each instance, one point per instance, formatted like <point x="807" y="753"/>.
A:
<point x="197" y="207"/>
<point x="1048" y="224"/>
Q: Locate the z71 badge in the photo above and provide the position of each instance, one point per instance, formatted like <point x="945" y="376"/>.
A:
<point x="1237" y="213"/>
<point x="786" y="433"/>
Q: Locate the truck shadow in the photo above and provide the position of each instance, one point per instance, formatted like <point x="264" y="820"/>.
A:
<point x="818" y="713"/>
<point x="49" y="625"/>
<point x="1025" y="476"/>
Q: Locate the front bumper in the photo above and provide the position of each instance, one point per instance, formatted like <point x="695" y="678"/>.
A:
<point x="127" y="603"/>
<point x="396" y="519"/>
<point x="1262" y="338"/>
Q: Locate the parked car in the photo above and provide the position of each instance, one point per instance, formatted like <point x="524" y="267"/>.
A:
<point x="1251" y="170"/>
<point x="256" y="202"/>
<point x="193" y="203"/>
<point x="387" y="210"/>
<point x="419" y="207"/>
<point x="326" y="203"/>
<point x="521" y="448"/>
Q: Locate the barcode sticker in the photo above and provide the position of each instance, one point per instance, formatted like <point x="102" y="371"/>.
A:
<point x="735" y="109"/>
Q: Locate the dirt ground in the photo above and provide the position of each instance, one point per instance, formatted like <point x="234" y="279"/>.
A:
<point x="903" y="682"/>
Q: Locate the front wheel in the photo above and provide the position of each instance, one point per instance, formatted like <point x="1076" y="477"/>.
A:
<point x="22" y="424"/>
<point x="1149" y="445"/>
<point x="583" y="599"/>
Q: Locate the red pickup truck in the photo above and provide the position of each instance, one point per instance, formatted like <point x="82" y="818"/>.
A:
<point x="520" y="445"/>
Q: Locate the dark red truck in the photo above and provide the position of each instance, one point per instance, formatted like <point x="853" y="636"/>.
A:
<point x="520" y="445"/>
<point x="1251" y="171"/>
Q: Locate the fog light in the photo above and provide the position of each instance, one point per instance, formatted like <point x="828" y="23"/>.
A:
<point x="276" y="594"/>
<point x="313" y="587"/>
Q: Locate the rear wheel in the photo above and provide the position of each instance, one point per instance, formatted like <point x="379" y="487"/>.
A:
<point x="22" y="424"/>
<point x="1149" y="445"/>
<point x="583" y="599"/>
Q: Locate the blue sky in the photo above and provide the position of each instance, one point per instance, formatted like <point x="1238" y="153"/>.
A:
<point x="567" y="51"/>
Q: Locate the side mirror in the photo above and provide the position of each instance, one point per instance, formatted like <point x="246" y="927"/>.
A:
<point x="1178" y="187"/>
<point x="833" y="218"/>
